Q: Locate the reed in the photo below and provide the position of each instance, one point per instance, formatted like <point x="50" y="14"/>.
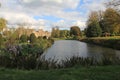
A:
<point x="31" y="62"/>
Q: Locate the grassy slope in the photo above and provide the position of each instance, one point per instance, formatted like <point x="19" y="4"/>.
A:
<point x="111" y="42"/>
<point x="112" y="37"/>
<point x="76" y="73"/>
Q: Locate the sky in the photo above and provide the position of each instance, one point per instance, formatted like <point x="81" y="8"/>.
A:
<point x="45" y="14"/>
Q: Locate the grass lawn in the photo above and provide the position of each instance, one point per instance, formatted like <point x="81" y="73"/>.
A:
<point x="112" y="37"/>
<point x="75" y="73"/>
<point x="111" y="42"/>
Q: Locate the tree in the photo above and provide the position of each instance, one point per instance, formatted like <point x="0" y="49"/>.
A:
<point x="1" y="40"/>
<point x="20" y="30"/>
<point x="64" y="33"/>
<point x="93" y="30"/>
<point x="75" y="31"/>
<point x="23" y="38"/>
<point x="114" y="4"/>
<point x="93" y="27"/>
<point x="93" y="16"/>
<point x="32" y="38"/>
<point x="111" y="21"/>
<point x="55" y="32"/>
<point x="7" y="33"/>
<point x="3" y="23"/>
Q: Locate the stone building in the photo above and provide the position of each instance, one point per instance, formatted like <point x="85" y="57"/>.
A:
<point x="20" y="31"/>
<point x="40" y="32"/>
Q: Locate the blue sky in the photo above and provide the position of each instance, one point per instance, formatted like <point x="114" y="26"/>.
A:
<point x="45" y="14"/>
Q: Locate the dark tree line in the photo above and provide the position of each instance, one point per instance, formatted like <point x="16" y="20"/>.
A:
<point x="74" y="31"/>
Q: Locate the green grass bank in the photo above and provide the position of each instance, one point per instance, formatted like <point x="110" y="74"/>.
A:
<point x="111" y="42"/>
<point x="75" y="73"/>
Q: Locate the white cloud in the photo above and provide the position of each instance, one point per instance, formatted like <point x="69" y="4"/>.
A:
<point x="51" y="3"/>
<point x="62" y="24"/>
<point x="23" y="11"/>
<point x="17" y="18"/>
<point x="81" y="24"/>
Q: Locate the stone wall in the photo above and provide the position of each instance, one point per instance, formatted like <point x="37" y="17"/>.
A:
<point x="20" y="31"/>
<point x="42" y="33"/>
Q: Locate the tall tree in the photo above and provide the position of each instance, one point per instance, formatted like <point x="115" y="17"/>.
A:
<point x="20" y="30"/>
<point x="75" y="31"/>
<point x="1" y="40"/>
<point x="7" y="33"/>
<point x="32" y="38"/>
<point x="55" y="32"/>
<point x="23" y="38"/>
<point x="114" y="4"/>
<point x="93" y="16"/>
<point x="111" y="21"/>
<point x="94" y="30"/>
<point x="93" y="27"/>
<point x="64" y="33"/>
<point x="0" y="4"/>
<point x="3" y="23"/>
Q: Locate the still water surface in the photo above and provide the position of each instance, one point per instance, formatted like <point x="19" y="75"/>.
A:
<point x="63" y="49"/>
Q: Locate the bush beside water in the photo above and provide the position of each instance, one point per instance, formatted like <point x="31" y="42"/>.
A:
<point x="27" y="56"/>
<point x="23" y="55"/>
<point x="33" y="61"/>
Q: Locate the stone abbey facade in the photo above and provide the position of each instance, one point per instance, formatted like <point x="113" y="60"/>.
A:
<point x="40" y="32"/>
<point x="20" y="31"/>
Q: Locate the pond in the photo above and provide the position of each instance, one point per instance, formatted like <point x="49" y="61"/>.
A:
<point x="63" y="49"/>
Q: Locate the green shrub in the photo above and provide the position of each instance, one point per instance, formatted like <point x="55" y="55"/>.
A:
<point x="23" y="56"/>
<point x="1" y="40"/>
<point x="33" y="49"/>
<point x="32" y="38"/>
<point x="23" y="38"/>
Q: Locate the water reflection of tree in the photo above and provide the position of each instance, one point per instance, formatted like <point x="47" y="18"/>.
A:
<point x="117" y="54"/>
<point x="94" y="51"/>
<point x="99" y="52"/>
<point x="109" y="53"/>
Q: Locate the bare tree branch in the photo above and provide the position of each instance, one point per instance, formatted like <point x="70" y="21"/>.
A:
<point x="114" y="4"/>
